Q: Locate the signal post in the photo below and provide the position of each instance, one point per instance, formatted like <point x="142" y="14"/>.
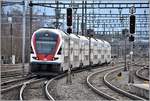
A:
<point x="131" y="39"/>
<point x="69" y="30"/>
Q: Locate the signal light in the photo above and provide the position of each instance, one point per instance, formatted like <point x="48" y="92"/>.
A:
<point x="69" y="30"/>
<point x="131" y="38"/>
<point x="69" y="16"/>
<point x="132" y="24"/>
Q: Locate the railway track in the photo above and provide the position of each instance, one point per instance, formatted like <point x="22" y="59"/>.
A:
<point x="7" y="84"/>
<point x="11" y="73"/>
<point x="10" y="90"/>
<point x="38" y="87"/>
<point x="107" y="80"/>
<point x="34" y="90"/>
<point x="143" y="73"/>
<point x="98" y="83"/>
<point x="50" y="82"/>
<point x="13" y="84"/>
<point x="49" y="96"/>
<point x="6" y="79"/>
<point x="5" y="67"/>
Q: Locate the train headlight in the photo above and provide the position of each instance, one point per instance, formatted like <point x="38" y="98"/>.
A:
<point x="36" y="58"/>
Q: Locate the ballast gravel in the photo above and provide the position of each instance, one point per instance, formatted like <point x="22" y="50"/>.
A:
<point x="78" y="90"/>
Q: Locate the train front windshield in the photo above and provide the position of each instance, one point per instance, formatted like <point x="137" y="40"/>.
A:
<point x="46" y="42"/>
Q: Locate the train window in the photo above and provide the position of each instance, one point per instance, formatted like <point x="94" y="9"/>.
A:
<point x="59" y="52"/>
<point x="45" y="47"/>
<point x="46" y="42"/>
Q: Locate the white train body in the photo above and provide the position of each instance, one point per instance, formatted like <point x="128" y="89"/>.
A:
<point x="57" y="59"/>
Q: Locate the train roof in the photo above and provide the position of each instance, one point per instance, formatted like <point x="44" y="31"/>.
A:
<point x="56" y="31"/>
<point x="47" y="30"/>
<point x="74" y="36"/>
<point x="100" y="41"/>
<point x="107" y="44"/>
<point x="62" y="33"/>
<point x="83" y="37"/>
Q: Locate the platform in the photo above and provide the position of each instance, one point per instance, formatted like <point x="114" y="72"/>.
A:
<point x="140" y="90"/>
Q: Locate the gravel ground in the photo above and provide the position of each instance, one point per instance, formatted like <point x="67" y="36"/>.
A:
<point x="124" y="79"/>
<point x="78" y="90"/>
<point x="11" y="95"/>
<point x="122" y="82"/>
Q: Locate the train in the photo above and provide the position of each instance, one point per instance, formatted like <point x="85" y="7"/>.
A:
<point x="54" y="51"/>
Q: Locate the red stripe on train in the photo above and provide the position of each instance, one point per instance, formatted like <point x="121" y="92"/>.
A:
<point x="45" y="57"/>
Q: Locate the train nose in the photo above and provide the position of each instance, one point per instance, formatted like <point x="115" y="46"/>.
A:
<point x="45" y="59"/>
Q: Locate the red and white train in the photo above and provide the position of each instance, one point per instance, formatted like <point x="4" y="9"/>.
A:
<point x="51" y="51"/>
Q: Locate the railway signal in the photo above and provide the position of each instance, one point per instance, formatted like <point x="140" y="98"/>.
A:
<point x="69" y="16"/>
<point x="131" y="39"/>
<point x="132" y="24"/>
<point x="69" y="30"/>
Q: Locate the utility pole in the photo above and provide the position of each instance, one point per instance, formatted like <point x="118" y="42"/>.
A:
<point x="57" y="12"/>
<point x="125" y="58"/>
<point x="89" y="32"/>
<point x="78" y="24"/>
<point x="74" y="15"/>
<point x="23" y="36"/>
<point x="11" y="34"/>
<point x="85" y="17"/>
<point x="104" y="30"/>
<point x="0" y="32"/>
<point x="89" y="51"/>
<point x="82" y="24"/>
<point x="31" y="5"/>
<point x="30" y="24"/>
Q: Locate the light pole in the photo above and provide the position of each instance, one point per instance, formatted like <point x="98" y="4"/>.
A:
<point x="11" y="34"/>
